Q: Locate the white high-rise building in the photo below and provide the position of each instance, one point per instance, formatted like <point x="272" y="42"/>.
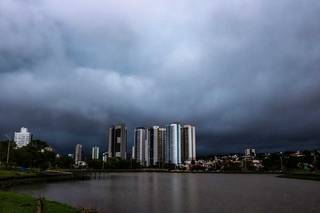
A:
<point x="188" y="142"/>
<point x="95" y="153"/>
<point x="250" y="152"/>
<point x="133" y="153"/>
<point x="173" y="144"/>
<point x="78" y="154"/>
<point x="140" y="148"/>
<point x="22" y="138"/>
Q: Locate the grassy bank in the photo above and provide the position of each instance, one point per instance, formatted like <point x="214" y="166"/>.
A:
<point x="11" y="202"/>
<point x="4" y="174"/>
<point x="302" y="175"/>
<point x="9" y="178"/>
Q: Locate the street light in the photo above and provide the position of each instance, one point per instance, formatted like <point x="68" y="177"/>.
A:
<point x="8" y="151"/>
<point x="281" y="162"/>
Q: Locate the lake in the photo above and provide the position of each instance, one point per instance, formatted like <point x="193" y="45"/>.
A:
<point x="174" y="192"/>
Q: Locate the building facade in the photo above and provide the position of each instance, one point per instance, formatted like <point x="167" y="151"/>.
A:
<point x="157" y="146"/>
<point x="173" y="144"/>
<point x="250" y="152"/>
<point x="105" y="156"/>
<point x="139" y="148"/>
<point x="152" y="158"/>
<point x="188" y="143"/>
<point x="78" y="157"/>
<point x="22" y="138"/>
<point x="117" y="146"/>
<point x="95" y="153"/>
<point x="162" y="135"/>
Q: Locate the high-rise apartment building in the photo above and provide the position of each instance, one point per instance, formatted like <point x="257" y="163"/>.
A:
<point x="250" y="152"/>
<point x="152" y="157"/>
<point x="95" y="153"/>
<point x="133" y="154"/>
<point x="78" y="154"/>
<point x="188" y="143"/>
<point x="22" y="138"/>
<point x="161" y="146"/>
<point x="173" y="144"/>
<point x="117" y="146"/>
<point x="139" y="150"/>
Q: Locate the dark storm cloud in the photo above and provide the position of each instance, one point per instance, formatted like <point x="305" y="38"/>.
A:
<point x="246" y="73"/>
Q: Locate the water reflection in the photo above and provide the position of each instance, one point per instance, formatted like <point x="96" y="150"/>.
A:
<point x="164" y="192"/>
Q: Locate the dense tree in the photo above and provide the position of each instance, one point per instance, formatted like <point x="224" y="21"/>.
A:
<point x="118" y="163"/>
<point x="64" y="162"/>
<point x="37" y="154"/>
<point x="272" y="162"/>
<point x="95" y="164"/>
<point x="292" y="162"/>
<point x="4" y="150"/>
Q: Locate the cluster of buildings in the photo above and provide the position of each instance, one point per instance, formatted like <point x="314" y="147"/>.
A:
<point x="155" y="146"/>
<point x="173" y="144"/>
<point x="79" y="155"/>
<point x="235" y="162"/>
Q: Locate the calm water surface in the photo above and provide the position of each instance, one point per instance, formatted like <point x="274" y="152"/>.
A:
<point x="166" y="193"/>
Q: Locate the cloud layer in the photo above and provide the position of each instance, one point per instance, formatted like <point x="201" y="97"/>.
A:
<point x="246" y="73"/>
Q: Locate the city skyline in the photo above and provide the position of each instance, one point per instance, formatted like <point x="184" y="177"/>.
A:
<point x="103" y="147"/>
<point x="244" y="72"/>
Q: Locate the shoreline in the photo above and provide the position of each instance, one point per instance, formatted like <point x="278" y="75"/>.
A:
<point x="301" y="176"/>
<point x="172" y="171"/>
<point x="48" y="177"/>
<point x="75" y="175"/>
<point x="290" y="175"/>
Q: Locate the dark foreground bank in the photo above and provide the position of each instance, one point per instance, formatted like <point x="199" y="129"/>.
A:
<point x="9" y="178"/>
<point x="11" y="202"/>
<point x="302" y="176"/>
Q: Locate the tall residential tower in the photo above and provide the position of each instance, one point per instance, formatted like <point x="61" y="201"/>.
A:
<point x="173" y="144"/>
<point x="22" y="138"/>
<point x="118" y="141"/>
<point x="95" y="153"/>
<point x="162" y="134"/>
<point x="188" y="143"/>
<point x="139" y="147"/>
<point x="152" y="158"/>
<point x="78" y="154"/>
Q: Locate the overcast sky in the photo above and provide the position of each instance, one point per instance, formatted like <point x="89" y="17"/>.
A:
<point x="245" y="73"/>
